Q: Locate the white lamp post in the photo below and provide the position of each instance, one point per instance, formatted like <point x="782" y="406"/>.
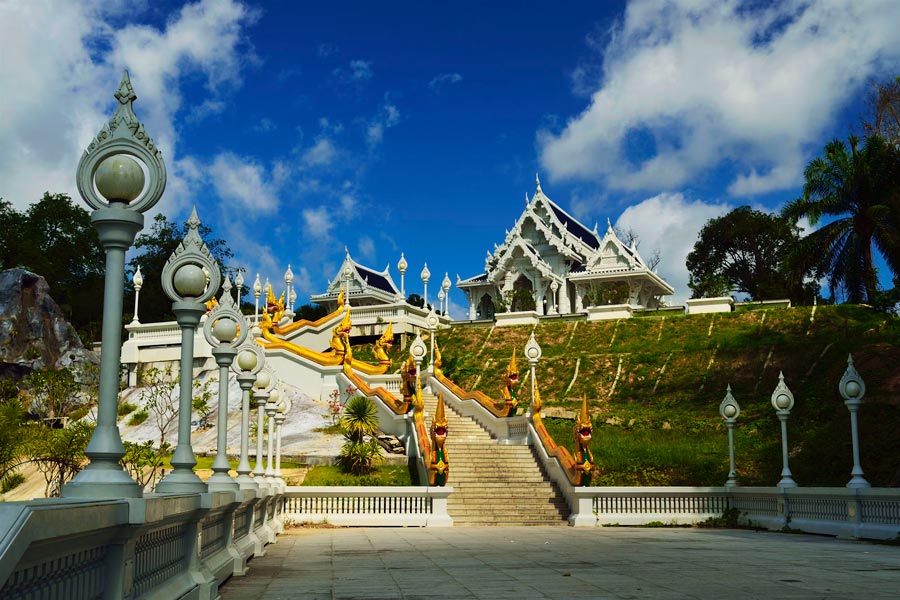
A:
<point x="288" y="281"/>
<point x="257" y="290"/>
<point x="279" y="421"/>
<point x="426" y="275"/>
<point x="293" y="298"/>
<point x="783" y="402"/>
<point x="445" y="286"/>
<point x="432" y="321"/>
<point x="271" y="409"/>
<point x="265" y="383"/>
<point x="402" y="266"/>
<point x="348" y="273"/>
<point x="138" y="280"/>
<point x="852" y="389"/>
<point x="184" y="279"/>
<point x="533" y="354"/>
<point x="418" y="349"/>
<point x="111" y="180"/>
<point x="729" y="409"/>
<point x="239" y="283"/>
<point x="223" y="332"/>
<point x="441" y="296"/>
<point x="554" y="287"/>
<point x="250" y="360"/>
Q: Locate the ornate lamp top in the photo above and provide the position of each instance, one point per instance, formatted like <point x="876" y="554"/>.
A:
<point x="137" y="279"/>
<point x="222" y="327"/>
<point x="418" y="349"/>
<point x="852" y="387"/>
<point x="782" y="398"/>
<point x="250" y="358"/>
<point x="257" y="286"/>
<point x="121" y="144"/>
<point x="532" y="350"/>
<point x="446" y="283"/>
<point x="183" y="276"/>
<point x="426" y="274"/>
<point x="432" y="319"/>
<point x="402" y="264"/>
<point x="239" y="279"/>
<point x="729" y="409"/>
<point x="288" y="275"/>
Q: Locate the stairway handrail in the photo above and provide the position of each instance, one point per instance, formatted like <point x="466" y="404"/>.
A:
<point x="507" y="430"/>
<point x="492" y="406"/>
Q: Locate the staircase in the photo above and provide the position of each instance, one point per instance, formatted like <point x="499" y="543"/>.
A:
<point x="494" y="484"/>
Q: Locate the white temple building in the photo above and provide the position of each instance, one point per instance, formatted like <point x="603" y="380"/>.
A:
<point x="363" y="286"/>
<point x="563" y="264"/>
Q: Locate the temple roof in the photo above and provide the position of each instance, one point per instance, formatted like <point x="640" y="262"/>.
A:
<point x="364" y="281"/>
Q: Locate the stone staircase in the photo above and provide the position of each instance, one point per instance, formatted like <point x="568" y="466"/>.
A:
<point x="494" y="484"/>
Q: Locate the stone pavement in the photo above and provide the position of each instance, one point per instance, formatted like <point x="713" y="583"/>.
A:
<point x="562" y="562"/>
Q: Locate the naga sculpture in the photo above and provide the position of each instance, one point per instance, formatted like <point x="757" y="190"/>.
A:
<point x="340" y="338"/>
<point x="510" y="383"/>
<point x="276" y="307"/>
<point x="408" y="381"/>
<point x="584" y="460"/>
<point x="438" y="361"/>
<point x="384" y="343"/>
<point x="439" y="469"/>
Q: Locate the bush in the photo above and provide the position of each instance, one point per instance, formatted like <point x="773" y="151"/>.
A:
<point x="138" y="417"/>
<point x="359" y="420"/>
<point x="126" y="408"/>
<point x="11" y="481"/>
<point x="386" y="475"/>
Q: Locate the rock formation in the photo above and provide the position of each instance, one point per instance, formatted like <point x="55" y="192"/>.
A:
<point x="34" y="333"/>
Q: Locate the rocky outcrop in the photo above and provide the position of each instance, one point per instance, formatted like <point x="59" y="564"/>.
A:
<point x="34" y="333"/>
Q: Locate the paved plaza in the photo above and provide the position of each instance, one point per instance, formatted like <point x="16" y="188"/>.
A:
<point x="560" y="562"/>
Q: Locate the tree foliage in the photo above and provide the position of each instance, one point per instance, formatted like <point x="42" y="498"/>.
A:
<point x="53" y="393"/>
<point x="160" y="400"/>
<point x="359" y="421"/>
<point x="856" y="191"/>
<point x="55" y="239"/>
<point x="884" y="108"/>
<point x="58" y="453"/>
<point x="751" y="252"/>
<point x="155" y="247"/>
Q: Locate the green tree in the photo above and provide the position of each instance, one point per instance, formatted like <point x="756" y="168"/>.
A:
<point x="58" y="453"/>
<point x="143" y="462"/>
<point x="155" y="247"/>
<point x="53" y="393"/>
<point x="310" y="312"/>
<point x="884" y="107"/>
<point x="748" y="251"/>
<point x="859" y="188"/>
<point x="159" y="398"/>
<point x="358" y="421"/>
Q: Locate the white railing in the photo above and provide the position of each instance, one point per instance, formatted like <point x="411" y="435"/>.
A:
<point x="159" y="546"/>
<point x="507" y="430"/>
<point x="406" y="506"/>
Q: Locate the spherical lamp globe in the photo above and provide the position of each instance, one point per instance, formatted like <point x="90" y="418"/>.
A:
<point x="189" y="281"/>
<point x="224" y="330"/>
<point x="262" y="380"/>
<point x="247" y="360"/>
<point x="119" y="177"/>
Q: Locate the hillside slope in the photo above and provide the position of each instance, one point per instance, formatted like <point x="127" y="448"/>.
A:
<point x="655" y="384"/>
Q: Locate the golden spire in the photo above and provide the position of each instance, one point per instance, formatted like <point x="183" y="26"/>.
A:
<point x="584" y="419"/>
<point x="512" y="368"/>
<point x="439" y="420"/>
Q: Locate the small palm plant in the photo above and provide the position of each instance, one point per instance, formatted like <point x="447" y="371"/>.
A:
<point x="359" y="420"/>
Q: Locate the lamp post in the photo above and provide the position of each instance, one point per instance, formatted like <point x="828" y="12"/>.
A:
<point x="401" y="266"/>
<point x="852" y="389"/>
<point x="265" y="383"/>
<point x="279" y="421"/>
<point x="554" y="287"/>
<point x="112" y="166"/>
<point x="783" y="402"/>
<point x="271" y="409"/>
<point x="533" y="354"/>
<point x="348" y="274"/>
<point x="250" y="361"/>
<point x="138" y="280"/>
<point x="729" y="409"/>
<point x="223" y="333"/>
<point x="288" y="280"/>
<point x="257" y="290"/>
<point x="426" y="275"/>
<point x="292" y="298"/>
<point x="432" y="321"/>
<point x="184" y="281"/>
<point x="418" y="349"/>
<point x="239" y="284"/>
<point x="441" y="296"/>
<point x="445" y="286"/>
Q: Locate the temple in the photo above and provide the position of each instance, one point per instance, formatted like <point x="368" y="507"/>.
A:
<point x="561" y="267"/>
<point x="363" y="286"/>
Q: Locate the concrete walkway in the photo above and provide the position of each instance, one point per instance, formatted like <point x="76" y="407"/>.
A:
<point x="561" y="562"/>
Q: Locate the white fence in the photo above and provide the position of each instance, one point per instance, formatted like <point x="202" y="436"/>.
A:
<point x="369" y="506"/>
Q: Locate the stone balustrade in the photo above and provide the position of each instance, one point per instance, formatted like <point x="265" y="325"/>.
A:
<point x="402" y="506"/>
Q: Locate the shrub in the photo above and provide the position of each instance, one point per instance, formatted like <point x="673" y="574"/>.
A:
<point x="359" y="420"/>
<point x="11" y="481"/>
<point x="138" y="417"/>
<point x="126" y="408"/>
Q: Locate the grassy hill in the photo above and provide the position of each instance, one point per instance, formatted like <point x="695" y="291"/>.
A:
<point x="655" y="384"/>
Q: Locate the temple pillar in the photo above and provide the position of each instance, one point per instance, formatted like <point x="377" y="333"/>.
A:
<point x="579" y="299"/>
<point x="563" y="305"/>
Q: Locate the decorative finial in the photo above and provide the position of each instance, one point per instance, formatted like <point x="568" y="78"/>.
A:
<point x="125" y="94"/>
<point x="226" y="285"/>
<point x="193" y="221"/>
<point x="526" y="199"/>
<point x="537" y="181"/>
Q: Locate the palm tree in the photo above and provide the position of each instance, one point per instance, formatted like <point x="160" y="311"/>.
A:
<point x="860" y="188"/>
<point x="359" y="419"/>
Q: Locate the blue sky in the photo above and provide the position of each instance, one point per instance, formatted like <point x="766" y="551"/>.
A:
<point x="300" y="128"/>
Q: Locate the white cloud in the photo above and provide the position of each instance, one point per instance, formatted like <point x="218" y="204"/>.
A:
<point x="318" y="222"/>
<point x="322" y="153"/>
<point x="709" y="82"/>
<point x="354" y="75"/>
<point x="386" y="118"/>
<point x="62" y="63"/>
<point x="672" y="223"/>
<point x="439" y="81"/>
<point x="365" y="246"/>
<point x="244" y="182"/>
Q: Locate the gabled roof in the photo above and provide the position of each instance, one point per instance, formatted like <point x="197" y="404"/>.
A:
<point x="573" y="226"/>
<point x="366" y="280"/>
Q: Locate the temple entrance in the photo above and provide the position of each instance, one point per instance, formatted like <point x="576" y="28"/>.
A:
<point x="485" y="308"/>
<point x="523" y="295"/>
